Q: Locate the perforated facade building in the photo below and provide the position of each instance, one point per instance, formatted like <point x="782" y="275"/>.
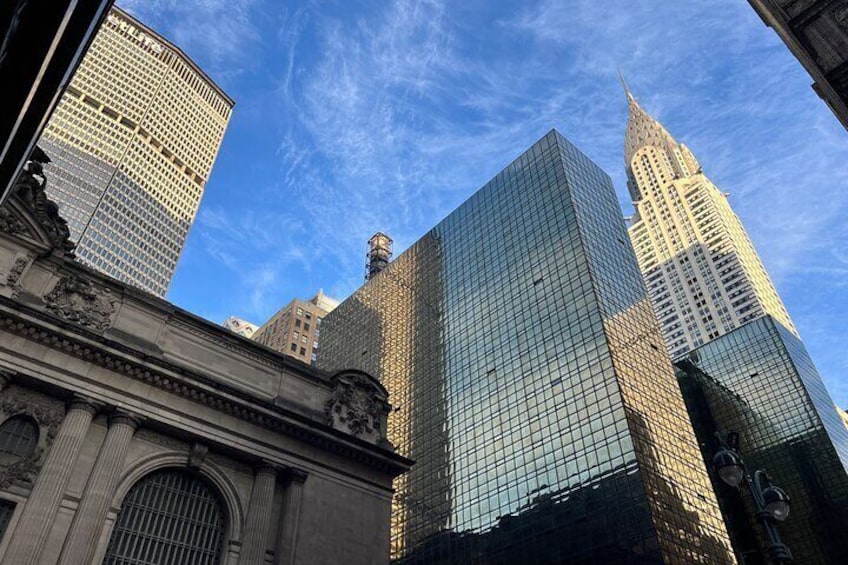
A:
<point x="240" y="326"/>
<point x="133" y="141"/>
<point x="703" y="275"/>
<point x="530" y="383"/>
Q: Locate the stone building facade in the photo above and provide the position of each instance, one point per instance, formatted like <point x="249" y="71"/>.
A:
<point x="816" y="31"/>
<point x="130" y="429"/>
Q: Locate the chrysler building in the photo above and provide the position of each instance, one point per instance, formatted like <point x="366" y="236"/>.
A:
<point x="701" y="270"/>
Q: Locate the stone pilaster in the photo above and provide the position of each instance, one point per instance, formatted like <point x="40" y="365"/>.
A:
<point x="255" y="538"/>
<point x="40" y="509"/>
<point x="81" y="541"/>
<point x="290" y="519"/>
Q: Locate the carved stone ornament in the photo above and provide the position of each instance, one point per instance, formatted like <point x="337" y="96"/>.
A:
<point x="77" y="300"/>
<point x="357" y="406"/>
<point x="47" y="414"/>
<point x="13" y="277"/>
<point x="10" y="223"/>
<point x="197" y="455"/>
<point x="28" y="207"/>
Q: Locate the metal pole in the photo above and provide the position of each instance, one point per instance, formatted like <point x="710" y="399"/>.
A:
<point x="779" y="551"/>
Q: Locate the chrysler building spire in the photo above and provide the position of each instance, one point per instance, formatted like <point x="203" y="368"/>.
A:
<point x="702" y="273"/>
<point x="644" y="131"/>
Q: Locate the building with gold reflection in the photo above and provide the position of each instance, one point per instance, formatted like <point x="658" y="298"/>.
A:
<point x="703" y="275"/>
<point x="132" y="144"/>
<point x="530" y="383"/>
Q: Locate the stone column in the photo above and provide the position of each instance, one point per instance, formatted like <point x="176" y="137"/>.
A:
<point x="81" y="541"/>
<point x="290" y="519"/>
<point x="255" y="537"/>
<point x="5" y="379"/>
<point x="40" y="509"/>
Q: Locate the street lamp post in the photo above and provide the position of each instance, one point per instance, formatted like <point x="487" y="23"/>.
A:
<point x="771" y="501"/>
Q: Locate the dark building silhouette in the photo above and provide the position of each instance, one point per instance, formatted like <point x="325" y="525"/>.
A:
<point x="41" y="43"/>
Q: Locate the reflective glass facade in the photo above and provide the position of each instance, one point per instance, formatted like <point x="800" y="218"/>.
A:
<point x="530" y="383"/>
<point x="759" y="381"/>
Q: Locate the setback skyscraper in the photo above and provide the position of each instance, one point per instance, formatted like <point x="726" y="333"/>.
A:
<point x="703" y="275"/>
<point x="132" y="144"/>
<point x="530" y="383"/>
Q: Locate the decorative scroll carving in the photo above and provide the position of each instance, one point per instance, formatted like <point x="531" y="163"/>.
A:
<point x="47" y="414"/>
<point x="30" y="199"/>
<point x="357" y="406"/>
<point x="77" y="300"/>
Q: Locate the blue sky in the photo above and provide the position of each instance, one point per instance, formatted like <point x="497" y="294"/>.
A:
<point x="356" y="116"/>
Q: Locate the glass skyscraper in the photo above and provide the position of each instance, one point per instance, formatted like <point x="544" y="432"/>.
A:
<point x="530" y="383"/>
<point x="132" y="144"/>
<point x="759" y="381"/>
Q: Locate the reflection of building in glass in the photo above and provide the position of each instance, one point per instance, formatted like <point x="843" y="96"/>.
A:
<point x="295" y="329"/>
<point x="530" y="383"/>
<point x="759" y="381"/>
<point x="133" y="141"/>
<point x="703" y="275"/>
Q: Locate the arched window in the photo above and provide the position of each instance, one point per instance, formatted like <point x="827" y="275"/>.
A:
<point x="169" y="516"/>
<point x="18" y="439"/>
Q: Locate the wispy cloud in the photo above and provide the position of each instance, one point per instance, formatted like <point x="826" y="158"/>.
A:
<point x="255" y="244"/>
<point x="217" y="33"/>
<point x="387" y="115"/>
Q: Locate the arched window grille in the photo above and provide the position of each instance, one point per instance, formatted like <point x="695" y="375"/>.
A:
<point x="18" y="439"/>
<point x="169" y="516"/>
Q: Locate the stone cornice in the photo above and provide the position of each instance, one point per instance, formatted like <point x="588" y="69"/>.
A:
<point x="183" y="319"/>
<point x="94" y="348"/>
